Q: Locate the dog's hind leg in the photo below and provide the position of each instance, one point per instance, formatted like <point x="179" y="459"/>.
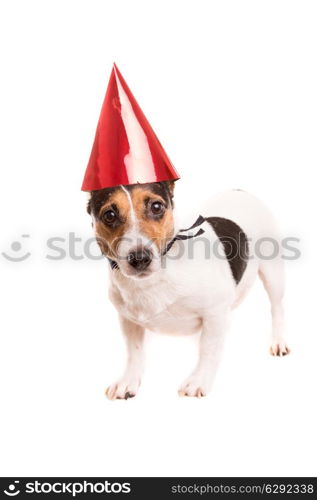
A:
<point x="272" y="275"/>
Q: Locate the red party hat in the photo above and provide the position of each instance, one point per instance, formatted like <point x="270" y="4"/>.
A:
<point x="126" y="149"/>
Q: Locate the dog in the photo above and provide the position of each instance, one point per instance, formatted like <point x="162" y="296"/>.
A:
<point x="165" y="278"/>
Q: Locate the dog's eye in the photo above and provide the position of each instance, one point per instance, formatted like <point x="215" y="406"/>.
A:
<point x="157" y="208"/>
<point x="109" y="216"/>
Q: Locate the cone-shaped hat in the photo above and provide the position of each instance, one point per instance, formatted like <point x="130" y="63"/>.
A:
<point x="126" y="149"/>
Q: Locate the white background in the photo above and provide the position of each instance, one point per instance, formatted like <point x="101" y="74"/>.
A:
<point x="230" y="89"/>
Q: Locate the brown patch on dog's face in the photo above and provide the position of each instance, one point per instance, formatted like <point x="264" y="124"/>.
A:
<point x="112" y="221"/>
<point x="154" y="214"/>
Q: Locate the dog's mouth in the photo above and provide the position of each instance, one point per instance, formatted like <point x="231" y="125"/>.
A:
<point x="136" y="275"/>
<point x="141" y="275"/>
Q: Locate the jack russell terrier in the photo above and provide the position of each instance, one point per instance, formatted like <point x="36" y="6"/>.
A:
<point x="164" y="279"/>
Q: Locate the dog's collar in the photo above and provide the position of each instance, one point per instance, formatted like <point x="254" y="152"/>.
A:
<point x="199" y="221"/>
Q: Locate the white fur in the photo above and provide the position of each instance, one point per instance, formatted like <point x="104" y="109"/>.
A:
<point x="187" y="295"/>
<point x="133" y="218"/>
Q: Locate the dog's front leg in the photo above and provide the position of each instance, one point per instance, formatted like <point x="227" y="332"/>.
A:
<point x="199" y="383"/>
<point x="128" y="385"/>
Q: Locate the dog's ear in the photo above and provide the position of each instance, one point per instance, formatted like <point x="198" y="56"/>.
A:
<point x="170" y="186"/>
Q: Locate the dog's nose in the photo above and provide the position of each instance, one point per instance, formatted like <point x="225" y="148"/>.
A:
<point x="140" y="258"/>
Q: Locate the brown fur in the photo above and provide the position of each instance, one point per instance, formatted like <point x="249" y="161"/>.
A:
<point x="158" y="230"/>
<point x="109" y="237"/>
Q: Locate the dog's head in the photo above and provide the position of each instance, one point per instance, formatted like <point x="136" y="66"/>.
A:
<point x="133" y="225"/>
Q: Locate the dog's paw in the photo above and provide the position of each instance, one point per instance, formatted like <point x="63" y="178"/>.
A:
<point x="194" y="386"/>
<point x="124" y="389"/>
<point x="279" y="348"/>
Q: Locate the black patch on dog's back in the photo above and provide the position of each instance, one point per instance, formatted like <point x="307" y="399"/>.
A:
<point x="235" y="244"/>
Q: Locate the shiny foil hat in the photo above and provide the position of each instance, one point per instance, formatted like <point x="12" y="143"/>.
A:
<point x="126" y="149"/>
